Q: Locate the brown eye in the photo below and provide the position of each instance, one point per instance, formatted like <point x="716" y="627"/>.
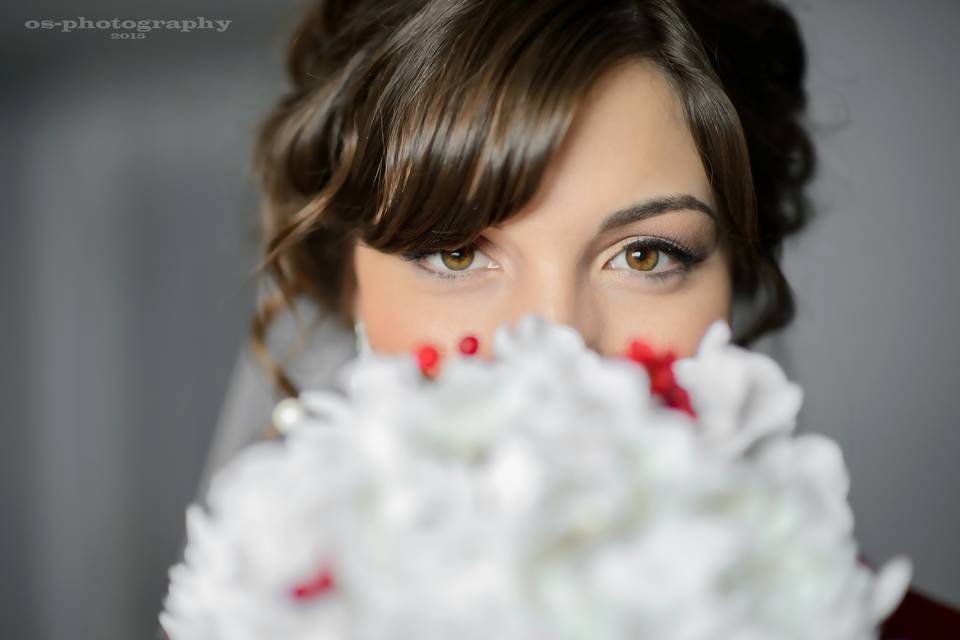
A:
<point x="458" y="259"/>
<point x="642" y="258"/>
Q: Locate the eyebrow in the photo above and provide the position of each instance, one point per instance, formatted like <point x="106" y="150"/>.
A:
<point x="654" y="207"/>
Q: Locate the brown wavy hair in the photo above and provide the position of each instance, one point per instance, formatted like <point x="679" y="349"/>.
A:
<point x="413" y="125"/>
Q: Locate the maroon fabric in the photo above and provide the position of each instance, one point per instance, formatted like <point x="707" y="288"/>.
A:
<point x="920" y="617"/>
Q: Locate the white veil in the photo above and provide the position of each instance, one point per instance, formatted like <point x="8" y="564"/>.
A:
<point x="248" y="403"/>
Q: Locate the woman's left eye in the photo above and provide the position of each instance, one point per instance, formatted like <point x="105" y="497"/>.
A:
<point x="651" y="257"/>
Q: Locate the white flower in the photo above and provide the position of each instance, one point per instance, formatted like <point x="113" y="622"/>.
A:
<point x="739" y="396"/>
<point x="543" y="494"/>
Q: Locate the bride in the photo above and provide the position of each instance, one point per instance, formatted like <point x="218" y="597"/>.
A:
<point x="627" y="168"/>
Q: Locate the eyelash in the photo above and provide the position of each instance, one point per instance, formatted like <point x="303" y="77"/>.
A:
<point x="686" y="257"/>
<point x="417" y="257"/>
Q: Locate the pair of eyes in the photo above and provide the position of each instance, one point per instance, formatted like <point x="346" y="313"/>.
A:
<point x="651" y="256"/>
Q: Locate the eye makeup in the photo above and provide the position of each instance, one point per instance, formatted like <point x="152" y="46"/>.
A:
<point x="684" y="256"/>
<point x="419" y="258"/>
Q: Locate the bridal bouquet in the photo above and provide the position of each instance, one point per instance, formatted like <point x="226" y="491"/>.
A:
<point x="549" y="493"/>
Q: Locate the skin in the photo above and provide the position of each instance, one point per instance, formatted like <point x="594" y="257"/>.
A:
<point x="628" y="144"/>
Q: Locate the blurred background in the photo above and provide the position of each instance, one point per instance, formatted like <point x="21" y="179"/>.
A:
<point x="127" y="239"/>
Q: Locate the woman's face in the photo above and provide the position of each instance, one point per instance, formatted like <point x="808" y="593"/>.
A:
<point x="620" y="242"/>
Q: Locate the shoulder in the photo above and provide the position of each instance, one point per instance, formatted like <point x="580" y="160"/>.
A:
<point x="920" y="617"/>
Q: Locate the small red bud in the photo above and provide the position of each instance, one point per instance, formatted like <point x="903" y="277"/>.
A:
<point x="428" y="358"/>
<point x="641" y="352"/>
<point x="659" y="368"/>
<point x="662" y="380"/>
<point x="469" y="345"/>
<point x="318" y="585"/>
<point x="680" y="399"/>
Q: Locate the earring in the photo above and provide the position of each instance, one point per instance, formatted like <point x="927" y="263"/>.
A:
<point x="363" y="342"/>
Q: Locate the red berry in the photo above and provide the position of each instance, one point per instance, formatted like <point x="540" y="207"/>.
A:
<point x="469" y="345"/>
<point x="428" y="357"/>
<point x="641" y="352"/>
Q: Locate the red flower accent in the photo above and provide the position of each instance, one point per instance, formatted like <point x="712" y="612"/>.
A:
<point x="428" y="358"/>
<point x="318" y="585"/>
<point x="662" y="381"/>
<point x="469" y="345"/>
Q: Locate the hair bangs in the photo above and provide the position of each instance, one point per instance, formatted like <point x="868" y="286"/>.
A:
<point x="469" y="115"/>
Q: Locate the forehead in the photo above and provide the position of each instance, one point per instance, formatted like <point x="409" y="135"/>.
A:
<point x="629" y="142"/>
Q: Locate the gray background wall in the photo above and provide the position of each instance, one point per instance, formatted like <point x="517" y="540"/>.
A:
<point x="126" y="242"/>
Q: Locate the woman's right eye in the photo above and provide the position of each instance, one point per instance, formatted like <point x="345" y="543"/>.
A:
<point x="452" y="264"/>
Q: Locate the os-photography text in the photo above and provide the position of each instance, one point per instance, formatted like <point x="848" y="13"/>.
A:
<point x="140" y="26"/>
